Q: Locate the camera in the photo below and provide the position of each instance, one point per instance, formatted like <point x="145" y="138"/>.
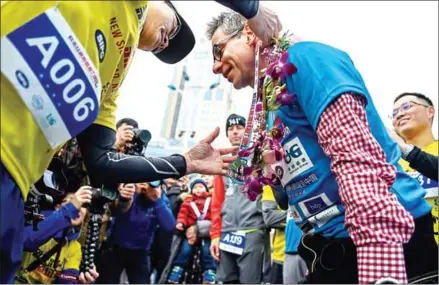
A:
<point x="100" y="197"/>
<point x="138" y="144"/>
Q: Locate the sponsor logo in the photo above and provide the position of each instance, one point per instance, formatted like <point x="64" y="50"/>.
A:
<point x="37" y="102"/>
<point x="117" y="34"/>
<point x="297" y="185"/>
<point x="101" y="44"/>
<point x="234" y="121"/>
<point x="22" y="79"/>
<point x="325" y="216"/>
<point x="296" y="160"/>
<point x="50" y="120"/>
<point x="314" y="205"/>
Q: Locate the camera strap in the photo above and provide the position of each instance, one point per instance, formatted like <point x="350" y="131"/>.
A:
<point x="56" y="249"/>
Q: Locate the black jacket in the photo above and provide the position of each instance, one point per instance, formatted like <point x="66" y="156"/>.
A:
<point x="424" y="163"/>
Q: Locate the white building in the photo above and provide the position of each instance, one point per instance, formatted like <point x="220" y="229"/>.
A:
<point x="205" y="100"/>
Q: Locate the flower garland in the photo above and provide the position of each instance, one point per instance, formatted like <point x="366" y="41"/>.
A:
<point x="266" y="149"/>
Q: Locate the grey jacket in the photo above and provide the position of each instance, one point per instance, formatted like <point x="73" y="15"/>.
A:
<point x="238" y="212"/>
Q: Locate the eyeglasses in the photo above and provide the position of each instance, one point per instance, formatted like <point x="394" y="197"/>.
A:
<point x="405" y="107"/>
<point x="217" y="51"/>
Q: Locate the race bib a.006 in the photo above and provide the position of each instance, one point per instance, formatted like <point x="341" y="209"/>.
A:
<point x="53" y="75"/>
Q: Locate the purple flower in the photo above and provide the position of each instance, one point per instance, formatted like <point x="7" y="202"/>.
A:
<point x="248" y="171"/>
<point x="278" y="155"/>
<point x="254" y="188"/>
<point x="281" y="69"/>
<point x="284" y="98"/>
<point x="245" y="152"/>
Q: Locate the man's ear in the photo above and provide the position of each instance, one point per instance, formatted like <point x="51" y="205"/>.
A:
<point x="431" y="112"/>
<point x="251" y="38"/>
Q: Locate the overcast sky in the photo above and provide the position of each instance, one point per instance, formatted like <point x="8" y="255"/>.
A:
<point x="394" y="45"/>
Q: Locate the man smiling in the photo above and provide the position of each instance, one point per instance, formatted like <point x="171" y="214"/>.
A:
<point x="354" y="201"/>
<point x="412" y="118"/>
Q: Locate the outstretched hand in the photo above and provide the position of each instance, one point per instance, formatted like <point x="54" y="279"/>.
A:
<point x="204" y="159"/>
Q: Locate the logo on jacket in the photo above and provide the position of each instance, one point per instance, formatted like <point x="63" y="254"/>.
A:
<point x="296" y="160"/>
<point x="101" y="44"/>
<point x="314" y="205"/>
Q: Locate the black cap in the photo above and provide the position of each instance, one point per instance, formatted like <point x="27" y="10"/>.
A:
<point x="181" y="45"/>
<point x="234" y="119"/>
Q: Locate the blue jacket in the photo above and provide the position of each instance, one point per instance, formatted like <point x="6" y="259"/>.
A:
<point x="323" y="73"/>
<point x="135" y="229"/>
<point x="51" y="227"/>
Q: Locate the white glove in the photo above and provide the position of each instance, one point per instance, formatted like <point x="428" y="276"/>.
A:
<point x="265" y="24"/>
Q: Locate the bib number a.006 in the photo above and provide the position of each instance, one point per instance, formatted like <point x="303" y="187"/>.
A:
<point x="53" y="75"/>
<point x="233" y="242"/>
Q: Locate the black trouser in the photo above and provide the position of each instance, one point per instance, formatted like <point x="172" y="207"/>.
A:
<point x="336" y="260"/>
<point x="276" y="273"/>
<point x="116" y="259"/>
<point x="161" y="250"/>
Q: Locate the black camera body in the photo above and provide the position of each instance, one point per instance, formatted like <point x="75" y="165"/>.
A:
<point x="100" y="197"/>
<point x="138" y="144"/>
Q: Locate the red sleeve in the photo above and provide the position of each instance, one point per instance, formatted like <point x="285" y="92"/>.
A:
<point x="217" y="204"/>
<point x="375" y="220"/>
<point x="183" y="214"/>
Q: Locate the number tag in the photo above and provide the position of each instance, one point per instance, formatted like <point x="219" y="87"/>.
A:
<point x="233" y="242"/>
<point x="53" y="75"/>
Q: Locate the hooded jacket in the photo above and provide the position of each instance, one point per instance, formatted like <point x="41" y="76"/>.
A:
<point x="232" y="210"/>
<point x="187" y="215"/>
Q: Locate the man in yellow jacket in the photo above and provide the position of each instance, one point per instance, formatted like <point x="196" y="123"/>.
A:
<point x="62" y="63"/>
<point x="412" y="119"/>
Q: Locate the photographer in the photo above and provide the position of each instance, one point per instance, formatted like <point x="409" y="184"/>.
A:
<point x="140" y="210"/>
<point x="52" y="252"/>
<point x="124" y="132"/>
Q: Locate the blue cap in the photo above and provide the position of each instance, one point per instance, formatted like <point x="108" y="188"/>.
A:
<point x="196" y="181"/>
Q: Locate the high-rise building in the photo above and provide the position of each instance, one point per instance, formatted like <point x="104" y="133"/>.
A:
<point x="175" y="97"/>
<point x="198" y="104"/>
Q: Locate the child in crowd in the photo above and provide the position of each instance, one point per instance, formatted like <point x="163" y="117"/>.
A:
<point x="195" y="208"/>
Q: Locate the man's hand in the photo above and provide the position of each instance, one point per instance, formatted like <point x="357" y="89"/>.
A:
<point x="265" y="24"/>
<point x="214" y="249"/>
<point x="88" y="277"/>
<point x="204" y="159"/>
<point x="180" y="227"/>
<point x="127" y="191"/>
<point x="154" y="193"/>
<point x="191" y="235"/>
<point x="124" y="134"/>
<point x="399" y="140"/>
<point x="81" y="197"/>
